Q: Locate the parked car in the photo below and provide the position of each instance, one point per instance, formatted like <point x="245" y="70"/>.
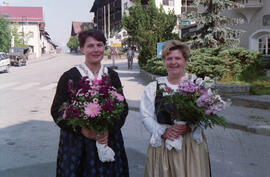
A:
<point x="18" y="55"/>
<point x="4" y="62"/>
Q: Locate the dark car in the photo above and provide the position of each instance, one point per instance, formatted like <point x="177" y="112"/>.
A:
<point x="18" y="55"/>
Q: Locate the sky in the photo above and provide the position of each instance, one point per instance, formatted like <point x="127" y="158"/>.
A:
<point x="58" y="15"/>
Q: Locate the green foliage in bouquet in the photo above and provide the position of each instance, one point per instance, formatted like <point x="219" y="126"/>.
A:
<point x="188" y="111"/>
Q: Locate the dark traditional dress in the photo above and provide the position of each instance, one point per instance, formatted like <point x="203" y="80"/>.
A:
<point x="77" y="155"/>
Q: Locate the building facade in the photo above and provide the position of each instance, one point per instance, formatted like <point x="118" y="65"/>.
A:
<point x="30" y="25"/>
<point x="256" y="15"/>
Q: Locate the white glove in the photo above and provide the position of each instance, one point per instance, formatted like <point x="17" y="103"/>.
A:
<point x="105" y="153"/>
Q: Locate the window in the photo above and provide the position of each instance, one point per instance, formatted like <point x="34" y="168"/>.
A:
<point x="264" y="44"/>
<point x="266" y="20"/>
<point x="126" y="6"/>
<point x="168" y="2"/>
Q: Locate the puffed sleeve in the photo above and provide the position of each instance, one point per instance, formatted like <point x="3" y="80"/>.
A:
<point x="60" y="97"/>
<point x="147" y="109"/>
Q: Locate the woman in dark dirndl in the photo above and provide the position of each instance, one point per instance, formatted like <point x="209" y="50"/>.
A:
<point x="77" y="153"/>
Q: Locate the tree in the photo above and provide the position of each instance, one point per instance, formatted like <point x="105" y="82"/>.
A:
<point x="213" y="27"/>
<point x="5" y="37"/>
<point x="148" y="25"/>
<point x="73" y="43"/>
<point x="19" y="41"/>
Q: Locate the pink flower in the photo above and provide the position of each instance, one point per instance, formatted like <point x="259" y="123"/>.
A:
<point x="95" y="100"/>
<point x="118" y="96"/>
<point x="65" y="114"/>
<point x="92" y="109"/>
<point x="168" y="89"/>
<point x="96" y="82"/>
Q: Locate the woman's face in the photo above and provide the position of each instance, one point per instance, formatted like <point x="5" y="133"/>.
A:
<point x="93" y="50"/>
<point x="175" y="62"/>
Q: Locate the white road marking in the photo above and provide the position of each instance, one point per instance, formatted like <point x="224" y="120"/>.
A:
<point x="49" y="87"/>
<point x="3" y="86"/>
<point x="27" y="86"/>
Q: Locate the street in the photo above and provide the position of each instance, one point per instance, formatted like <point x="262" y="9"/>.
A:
<point x="29" y="137"/>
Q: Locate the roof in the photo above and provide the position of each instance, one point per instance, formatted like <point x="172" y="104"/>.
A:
<point x="77" y="27"/>
<point x="22" y="14"/>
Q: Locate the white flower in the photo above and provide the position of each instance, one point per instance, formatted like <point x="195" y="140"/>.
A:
<point x="209" y="92"/>
<point x="208" y="83"/>
<point x="192" y="77"/>
<point x="199" y="81"/>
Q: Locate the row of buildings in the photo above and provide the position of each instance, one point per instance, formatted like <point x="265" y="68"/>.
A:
<point x="256" y="13"/>
<point x="30" y="25"/>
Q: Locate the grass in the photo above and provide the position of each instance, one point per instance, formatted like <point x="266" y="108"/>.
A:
<point x="259" y="85"/>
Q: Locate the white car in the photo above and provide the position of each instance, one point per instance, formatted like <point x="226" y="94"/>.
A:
<point x="4" y="62"/>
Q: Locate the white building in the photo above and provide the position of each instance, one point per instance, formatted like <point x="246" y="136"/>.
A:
<point x="256" y="14"/>
<point x="30" y="26"/>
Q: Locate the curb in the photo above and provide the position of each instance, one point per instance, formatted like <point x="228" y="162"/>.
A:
<point x="250" y="103"/>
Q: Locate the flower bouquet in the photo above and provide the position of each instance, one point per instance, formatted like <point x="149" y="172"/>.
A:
<point x="94" y="106"/>
<point x="195" y="103"/>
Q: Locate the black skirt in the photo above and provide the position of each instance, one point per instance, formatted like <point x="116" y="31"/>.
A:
<point x="78" y="157"/>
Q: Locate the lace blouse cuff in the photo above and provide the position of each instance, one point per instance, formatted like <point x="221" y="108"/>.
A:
<point x="156" y="139"/>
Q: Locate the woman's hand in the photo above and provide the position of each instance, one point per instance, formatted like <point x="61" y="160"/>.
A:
<point x="175" y="131"/>
<point x="102" y="138"/>
<point x="89" y="133"/>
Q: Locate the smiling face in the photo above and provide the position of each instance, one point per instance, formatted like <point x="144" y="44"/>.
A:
<point x="175" y="63"/>
<point x="93" y="51"/>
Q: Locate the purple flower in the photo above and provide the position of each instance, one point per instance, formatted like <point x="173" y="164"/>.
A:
<point x="108" y="106"/>
<point x="204" y="100"/>
<point x="168" y="89"/>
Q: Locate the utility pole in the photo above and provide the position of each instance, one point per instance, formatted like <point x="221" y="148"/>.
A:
<point x="109" y="23"/>
<point x="105" y="26"/>
<point x="23" y="28"/>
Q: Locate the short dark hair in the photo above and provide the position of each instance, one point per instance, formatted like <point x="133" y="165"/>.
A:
<point x="96" y="34"/>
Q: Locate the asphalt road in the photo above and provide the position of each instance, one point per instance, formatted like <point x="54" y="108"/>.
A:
<point x="29" y="137"/>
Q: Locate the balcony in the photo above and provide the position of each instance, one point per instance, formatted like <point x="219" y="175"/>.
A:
<point x="188" y="9"/>
<point x="251" y="3"/>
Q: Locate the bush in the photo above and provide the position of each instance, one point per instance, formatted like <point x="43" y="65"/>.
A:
<point x="155" y="66"/>
<point x="260" y="87"/>
<point x="243" y="64"/>
<point x="204" y="62"/>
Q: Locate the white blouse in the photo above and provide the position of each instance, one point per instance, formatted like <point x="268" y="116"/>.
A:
<point x="85" y="71"/>
<point x="147" y="109"/>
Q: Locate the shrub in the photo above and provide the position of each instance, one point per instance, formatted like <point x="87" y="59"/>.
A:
<point x="260" y="87"/>
<point x="155" y="66"/>
<point x="203" y="63"/>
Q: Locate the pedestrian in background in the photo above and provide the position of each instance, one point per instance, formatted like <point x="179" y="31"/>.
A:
<point x="130" y="55"/>
<point x="77" y="153"/>
<point x="113" y="54"/>
<point x="193" y="159"/>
